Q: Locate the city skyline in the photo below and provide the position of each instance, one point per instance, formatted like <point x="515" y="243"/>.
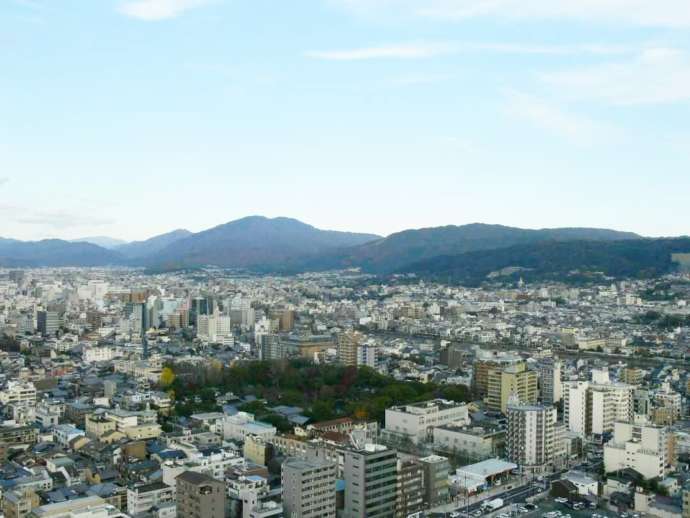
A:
<point x="132" y="118"/>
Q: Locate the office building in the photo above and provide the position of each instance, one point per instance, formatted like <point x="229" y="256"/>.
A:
<point x="48" y="322"/>
<point x="410" y="487"/>
<point x="640" y="446"/>
<point x="436" y="488"/>
<point x="550" y="384"/>
<point x="416" y="421"/>
<point x="371" y="482"/>
<point x="308" y="488"/>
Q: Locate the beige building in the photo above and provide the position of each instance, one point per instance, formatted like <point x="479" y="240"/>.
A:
<point x="511" y="381"/>
<point x="200" y="496"/>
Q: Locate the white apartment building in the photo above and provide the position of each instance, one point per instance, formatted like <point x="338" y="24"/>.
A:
<point x="142" y="498"/>
<point x="18" y="392"/>
<point x="591" y="408"/>
<point x="214" y="465"/>
<point x="640" y="446"/>
<point x="97" y="354"/>
<point x="417" y="421"/>
<point x="368" y="355"/>
<point x="213" y="328"/>
<point x="531" y="437"/>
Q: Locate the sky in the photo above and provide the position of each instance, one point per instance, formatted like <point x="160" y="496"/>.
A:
<point x="130" y="118"/>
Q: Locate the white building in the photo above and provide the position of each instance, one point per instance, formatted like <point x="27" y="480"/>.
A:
<point x="592" y="407"/>
<point x="142" y="498"/>
<point x="530" y="438"/>
<point x="17" y="392"/>
<point x="238" y="426"/>
<point x="640" y="446"/>
<point x="64" y="433"/>
<point x="417" y="421"/>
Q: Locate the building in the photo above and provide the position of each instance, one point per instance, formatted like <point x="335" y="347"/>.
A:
<point x="639" y="446"/>
<point x="347" y="347"/>
<point x="530" y="439"/>
<point x="473" y="443"/>
<point x="368" y="355"/>
<point x="308" y="488"/>
<point x="19" y="503"/>
<point x="514" y="380"/>
<point x="436" y="488"/>
<point x="48" y="322"/>
<point x="371" y="482"/>
<point x="550" y="384"/>
<point x="416" y="422"/>
<point x="18" y="393"/>
<point x="142" y="498"/>
<point x="592" y="408"/>
<point x="200" y="496"/>
<point x="410" y="487"/>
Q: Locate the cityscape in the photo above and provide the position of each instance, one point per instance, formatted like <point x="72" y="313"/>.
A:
<point x="344" y="259"/>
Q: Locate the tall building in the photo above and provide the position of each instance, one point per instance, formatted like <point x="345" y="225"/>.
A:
<point x="550" y="385"/>
<point x="530" y="438"/>
<point x="512" y="381"/>
<point x="641" y="446"/>
<point x="200" y="496"/>
<point x="48" y="322"/>
<point x="371" y="482"/>
<point x="348" y="344"/>
<point x="368" y="356"/>
<point x="308" y="488"/>
<point x="592" y="407"/>
<point x="410" y="487"/>
<point x="436" y="487"/>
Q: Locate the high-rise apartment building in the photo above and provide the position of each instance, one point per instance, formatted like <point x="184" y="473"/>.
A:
<point x="48" y="322"/>
<point x="371" y="482"/>
<point x="592" y="407"/>
<point x="308" y="488"/>
<point x="410" y="487"/>
<point x="512" y="381"/>
<point x="200" y="496"/>
<point x="530" y="438"/>
<point x="348" y="344"/>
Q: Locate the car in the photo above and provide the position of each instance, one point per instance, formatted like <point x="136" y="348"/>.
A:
<point x="455" y="515"/>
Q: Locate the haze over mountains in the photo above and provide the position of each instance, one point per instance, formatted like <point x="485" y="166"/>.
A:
<point x="467" y="253"/>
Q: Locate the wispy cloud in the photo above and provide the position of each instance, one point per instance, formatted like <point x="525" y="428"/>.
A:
<point x="431" y="50"/>
<point x="153" y="10"/>
<point x="404" y="51"/>
<point x="3" y="180"/>
<point x="61" y="219"/>
<point x="655" y="76"/>
<point x="658" y="13"/>
<point x="555" y="119"/>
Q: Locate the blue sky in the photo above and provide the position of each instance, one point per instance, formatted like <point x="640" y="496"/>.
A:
<point x="130" y="118"/>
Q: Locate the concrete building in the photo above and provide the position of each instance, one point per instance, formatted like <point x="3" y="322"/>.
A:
<point x="550" y="384"/>
<point x="348" y="345"/>
<point x="48" y="322"/>
<point x="473" y="443"/>
<point x="410" y="487"/>
<point x="530" y="439"/>
<point x="308" y="488"/>
<point x="18" y="392"/>
<point x="141" y="498"/>
<point x="371" y="482"/>
<point x="515" y="380"/>
<point x="200" y="496"/>
<point x="416" y="422"/>
<point x="592" y="408"/>
<point x="436" y="489"/>
<point x="640" y="446"/>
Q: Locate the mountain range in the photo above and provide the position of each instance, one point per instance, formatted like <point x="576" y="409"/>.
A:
<point x="467" y="254"/>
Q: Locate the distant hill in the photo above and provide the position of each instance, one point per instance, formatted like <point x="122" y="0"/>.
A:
<point x="151" y="246"/>
<point x="394" y="252"/>
<point x="54" y="252"/>
<point x="254" y="242"/>
<point x="103" y="241"/>
<point x="558" y="260"/>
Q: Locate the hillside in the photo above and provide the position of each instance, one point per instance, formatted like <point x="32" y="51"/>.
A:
<point x="559" y="260"/>
<point x="54" y="252"/>
<point x="254" y="242"/>
<point x="398" y="250"/>
<point x="151" y="246"/>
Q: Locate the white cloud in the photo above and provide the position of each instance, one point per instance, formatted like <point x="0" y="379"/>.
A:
<point x="555" y="119"/>
<point x="652" y="13"/>
<point x="430" y="50"/>
<point x="655" y="76"/>
<point x="61" y="219"/>
<point x="405" y="51"/>
<point x="4" y="180"/>
<point x="159" y="9"/>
